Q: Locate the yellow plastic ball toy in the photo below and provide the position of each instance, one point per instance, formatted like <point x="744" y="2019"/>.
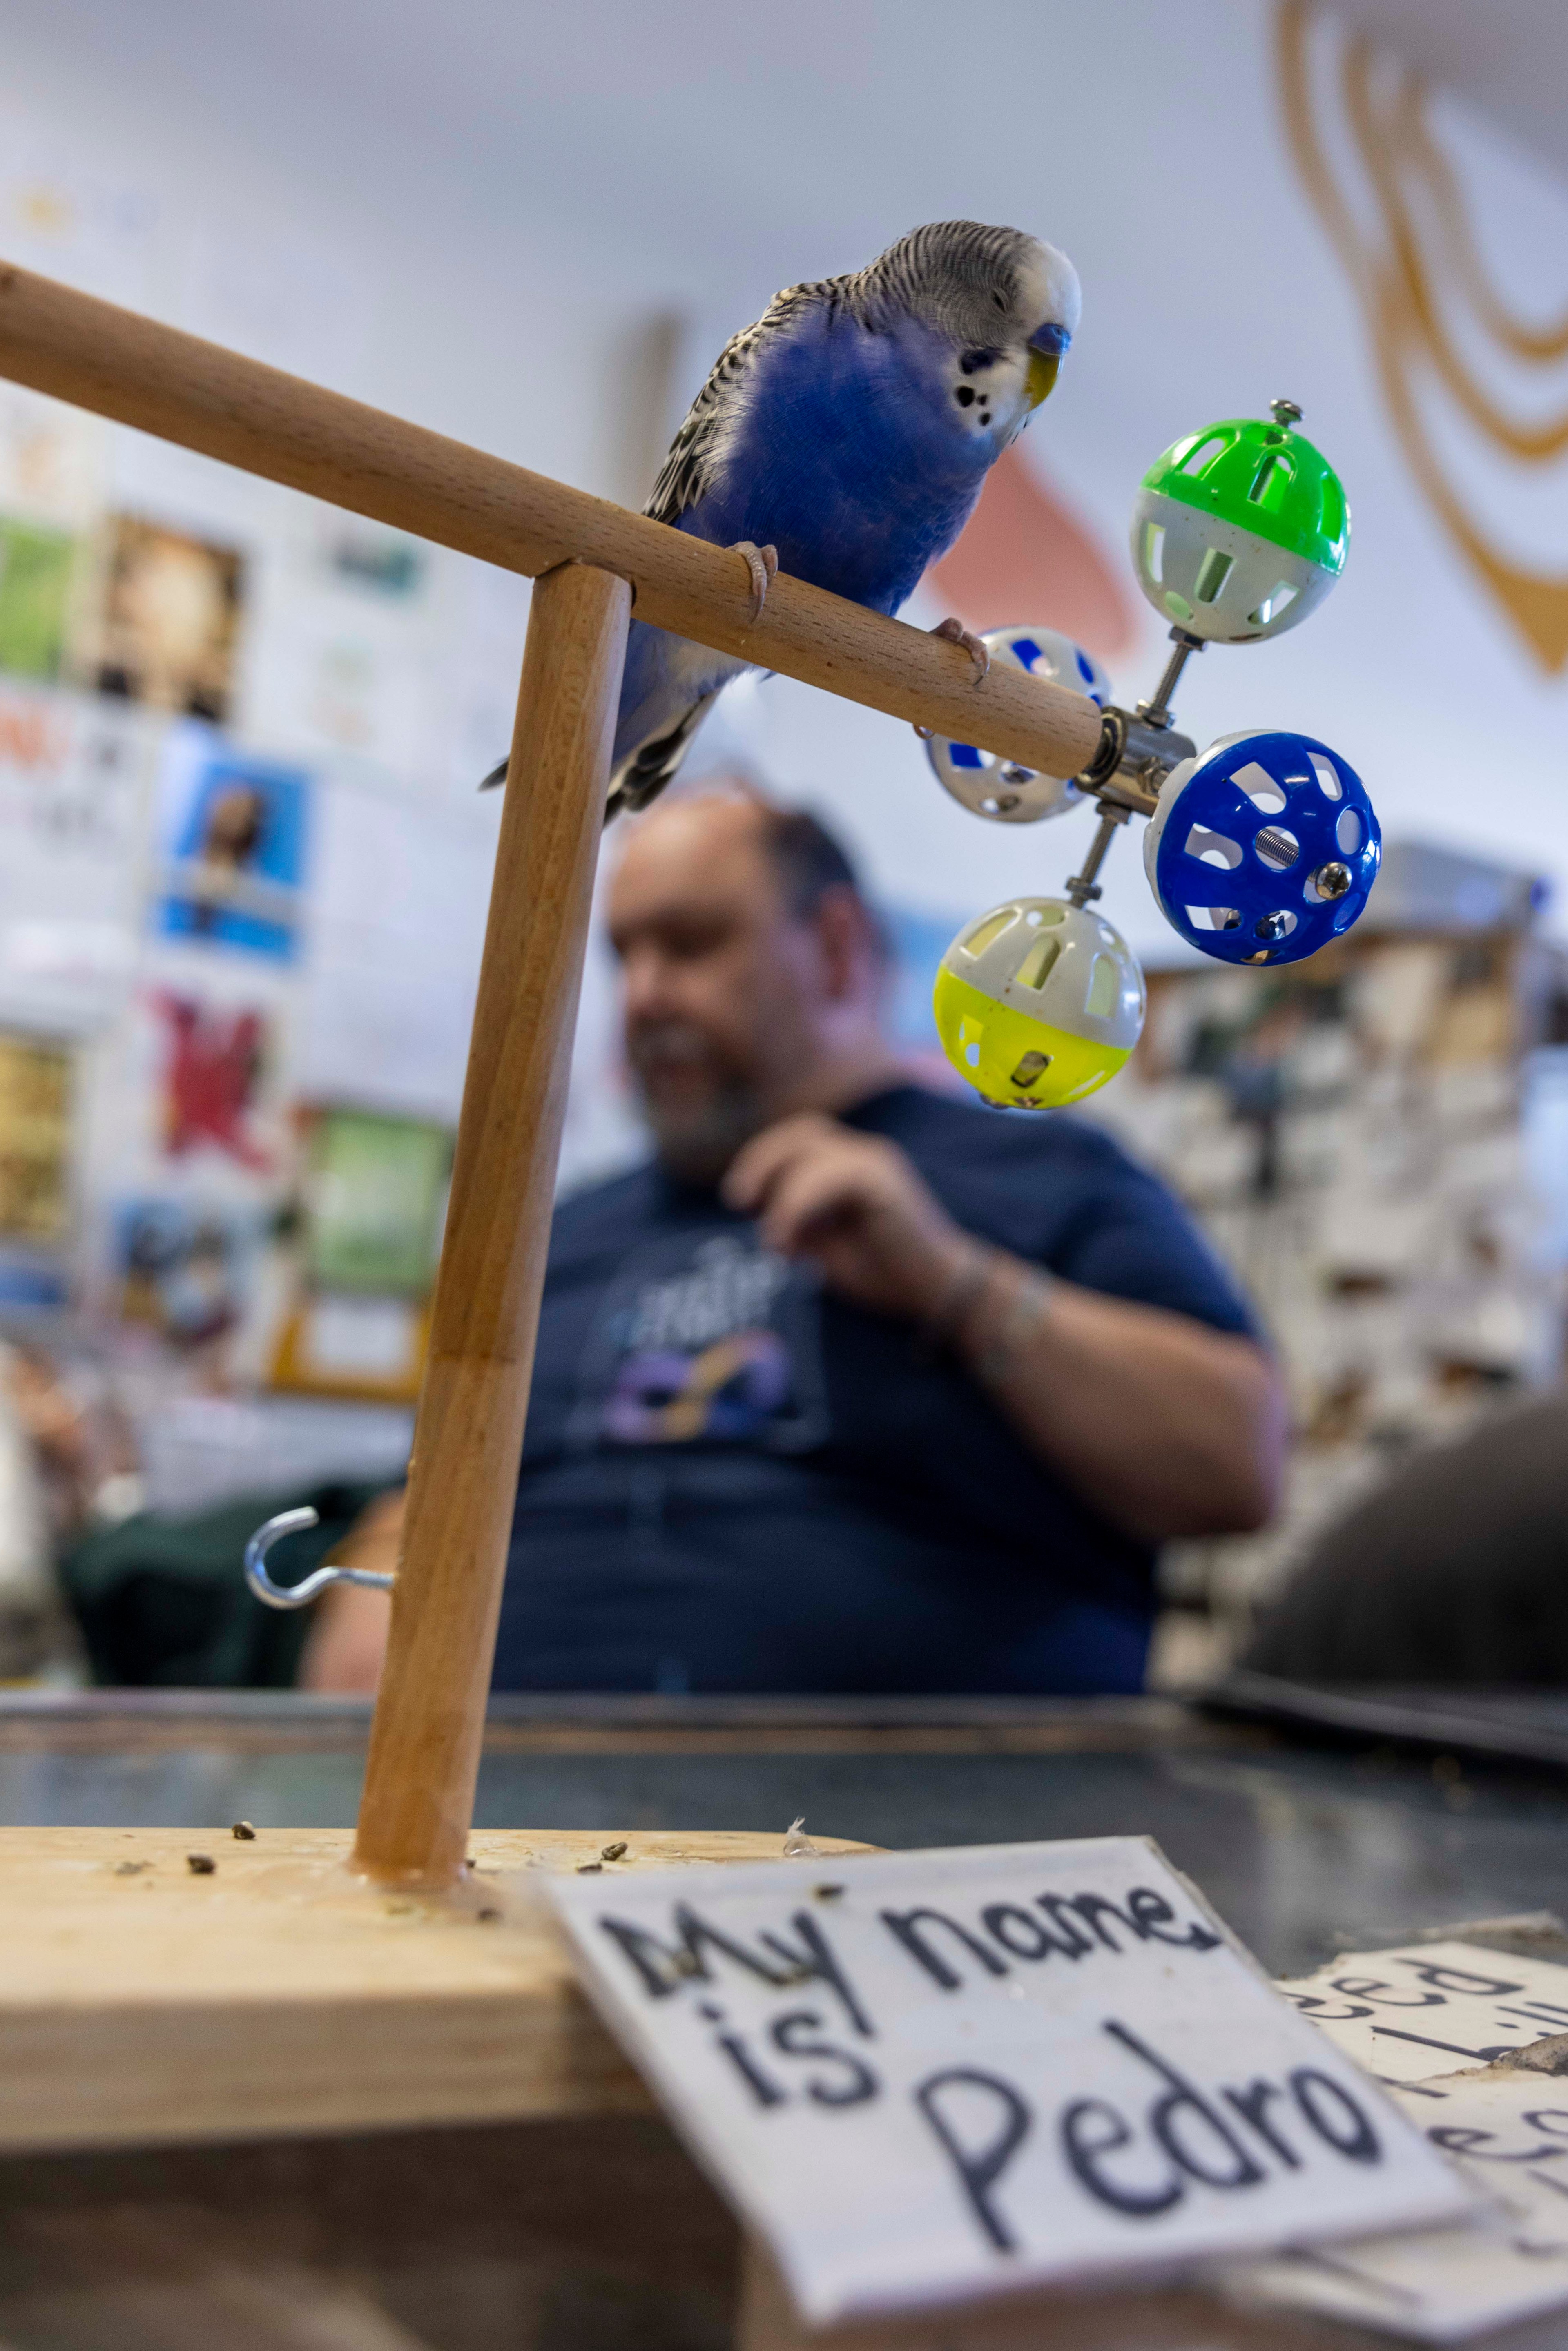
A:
<point x="1039" y="1003"/>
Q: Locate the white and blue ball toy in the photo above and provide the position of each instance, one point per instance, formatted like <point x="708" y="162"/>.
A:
<point x="1262" y="850"/>
<point x="999" y="789"/>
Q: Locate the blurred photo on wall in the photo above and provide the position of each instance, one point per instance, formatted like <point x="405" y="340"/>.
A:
<point x="165" y="626"/>
<point x="235" y="840"/>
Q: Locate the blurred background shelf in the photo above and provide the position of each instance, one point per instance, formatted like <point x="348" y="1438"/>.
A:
<point x="1376" y="1142"/>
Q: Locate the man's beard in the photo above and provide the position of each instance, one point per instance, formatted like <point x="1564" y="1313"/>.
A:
<point x="695" y="1138"/>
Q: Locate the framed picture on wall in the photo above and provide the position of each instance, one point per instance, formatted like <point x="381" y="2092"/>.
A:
<point x="36" y="1090"/>
<point x="235" y="836"/>
<point x="162" y="624"/>
<point x="374" y="1199"/>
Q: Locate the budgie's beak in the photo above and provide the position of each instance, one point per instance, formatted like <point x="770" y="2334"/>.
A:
<point x="1045" y="352"/>
<point x="1042" y="374"/>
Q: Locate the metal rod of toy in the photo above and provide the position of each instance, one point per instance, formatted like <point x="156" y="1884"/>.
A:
<point x="1157" y="710"/>
<point x="149" y="375"/>
<point x="1082" y="887"/>
<point x="418" y="1801"/>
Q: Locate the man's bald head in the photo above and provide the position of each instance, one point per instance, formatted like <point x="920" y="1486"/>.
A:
<point x="752" y="966"/>
<point x="807" y="859"/>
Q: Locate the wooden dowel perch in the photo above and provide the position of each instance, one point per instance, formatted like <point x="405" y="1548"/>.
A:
<point x="590" y="558"/>
<point x="131" y="368"/>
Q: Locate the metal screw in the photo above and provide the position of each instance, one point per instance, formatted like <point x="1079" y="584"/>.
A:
<point x="1332" y="880"/>
<point x="1270" y="926"/>
<point x="1286" y="412"/>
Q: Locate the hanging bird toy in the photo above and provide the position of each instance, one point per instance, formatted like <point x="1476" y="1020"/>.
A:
<point x="1259" y="851"/>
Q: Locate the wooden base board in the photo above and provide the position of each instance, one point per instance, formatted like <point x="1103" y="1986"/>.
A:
<point x="590" y="2234"/>
<point x="145" y="2002"/>
<point x="153" y="2019"/>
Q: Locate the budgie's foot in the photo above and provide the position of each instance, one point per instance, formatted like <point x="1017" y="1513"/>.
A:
<point x="762" y="562"/>
<point x="958" y="634"/>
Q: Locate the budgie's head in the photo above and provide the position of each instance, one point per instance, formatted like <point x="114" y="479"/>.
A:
<point x="1005" y="304"/>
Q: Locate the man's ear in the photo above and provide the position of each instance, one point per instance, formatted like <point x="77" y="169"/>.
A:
<point x="846" y="942"/>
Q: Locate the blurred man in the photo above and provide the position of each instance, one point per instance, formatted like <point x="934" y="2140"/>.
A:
<point x="853" y="1385"/>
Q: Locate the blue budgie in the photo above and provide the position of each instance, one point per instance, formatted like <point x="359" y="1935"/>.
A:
<point x="845" y="438"/>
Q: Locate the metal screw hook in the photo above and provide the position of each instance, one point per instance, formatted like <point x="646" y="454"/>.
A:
<point x="300" y="1596"/>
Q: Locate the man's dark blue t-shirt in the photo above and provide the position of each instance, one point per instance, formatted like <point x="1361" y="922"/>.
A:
<point x="735" y="1481"/>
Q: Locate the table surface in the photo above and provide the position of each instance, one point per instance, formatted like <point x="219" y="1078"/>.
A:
<point x="1303" y="1848"/>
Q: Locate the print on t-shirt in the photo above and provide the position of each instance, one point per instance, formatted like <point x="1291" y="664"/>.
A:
<point x="705" y="1338"/>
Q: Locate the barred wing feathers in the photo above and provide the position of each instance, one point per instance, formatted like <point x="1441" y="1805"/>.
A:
<point x="697" y="449"/>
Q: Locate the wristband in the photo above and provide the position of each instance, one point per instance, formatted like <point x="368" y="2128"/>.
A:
<point x="1027" y="1308"/>
<point x="961" y="1295"/>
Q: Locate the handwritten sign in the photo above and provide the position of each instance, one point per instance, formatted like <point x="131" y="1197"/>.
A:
<point x="927" y="2076"/>
<point x="1432" y="2008"/>
<point x="1507" y="2132"/>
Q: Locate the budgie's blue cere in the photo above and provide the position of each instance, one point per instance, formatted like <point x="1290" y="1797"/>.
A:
<point x="850" y="429"/>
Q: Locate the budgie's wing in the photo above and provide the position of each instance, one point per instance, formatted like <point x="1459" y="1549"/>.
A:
<point x="694" y="459"/>
<point x="696" y="453"/>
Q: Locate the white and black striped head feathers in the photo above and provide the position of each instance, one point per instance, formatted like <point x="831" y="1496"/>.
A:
<point x="982" y="288"/>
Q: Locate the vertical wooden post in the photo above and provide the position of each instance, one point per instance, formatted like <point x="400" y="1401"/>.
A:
<point x="418" y="1801"/>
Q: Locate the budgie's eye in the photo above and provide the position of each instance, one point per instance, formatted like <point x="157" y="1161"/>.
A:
<point x="999" y="300"/>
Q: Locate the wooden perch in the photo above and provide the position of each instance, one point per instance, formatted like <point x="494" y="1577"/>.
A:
<point x="131" y="368"/>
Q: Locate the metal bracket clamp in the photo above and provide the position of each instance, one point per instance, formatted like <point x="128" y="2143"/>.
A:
<point x="300" y="1596"/>
<point x="1133" y="759"/>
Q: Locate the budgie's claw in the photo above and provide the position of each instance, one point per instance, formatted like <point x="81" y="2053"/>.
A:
<point x="958" y="634"/>
<point x="762" y="562"/>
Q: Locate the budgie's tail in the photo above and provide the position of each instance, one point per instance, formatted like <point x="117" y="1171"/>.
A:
<point x="641" y="776"/>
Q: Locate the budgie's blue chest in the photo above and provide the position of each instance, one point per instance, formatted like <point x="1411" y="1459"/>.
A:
<point x="848" y="456"/>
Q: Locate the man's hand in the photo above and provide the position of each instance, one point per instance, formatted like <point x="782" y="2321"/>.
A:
<point x="1166" y="1426"/>
<point x="855" y="1206"/>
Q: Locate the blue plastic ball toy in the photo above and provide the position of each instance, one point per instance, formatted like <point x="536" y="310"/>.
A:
<point x="1262" y="850"/>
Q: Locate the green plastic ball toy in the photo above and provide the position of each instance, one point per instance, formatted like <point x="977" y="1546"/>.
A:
<point x="1240" y="531"/>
